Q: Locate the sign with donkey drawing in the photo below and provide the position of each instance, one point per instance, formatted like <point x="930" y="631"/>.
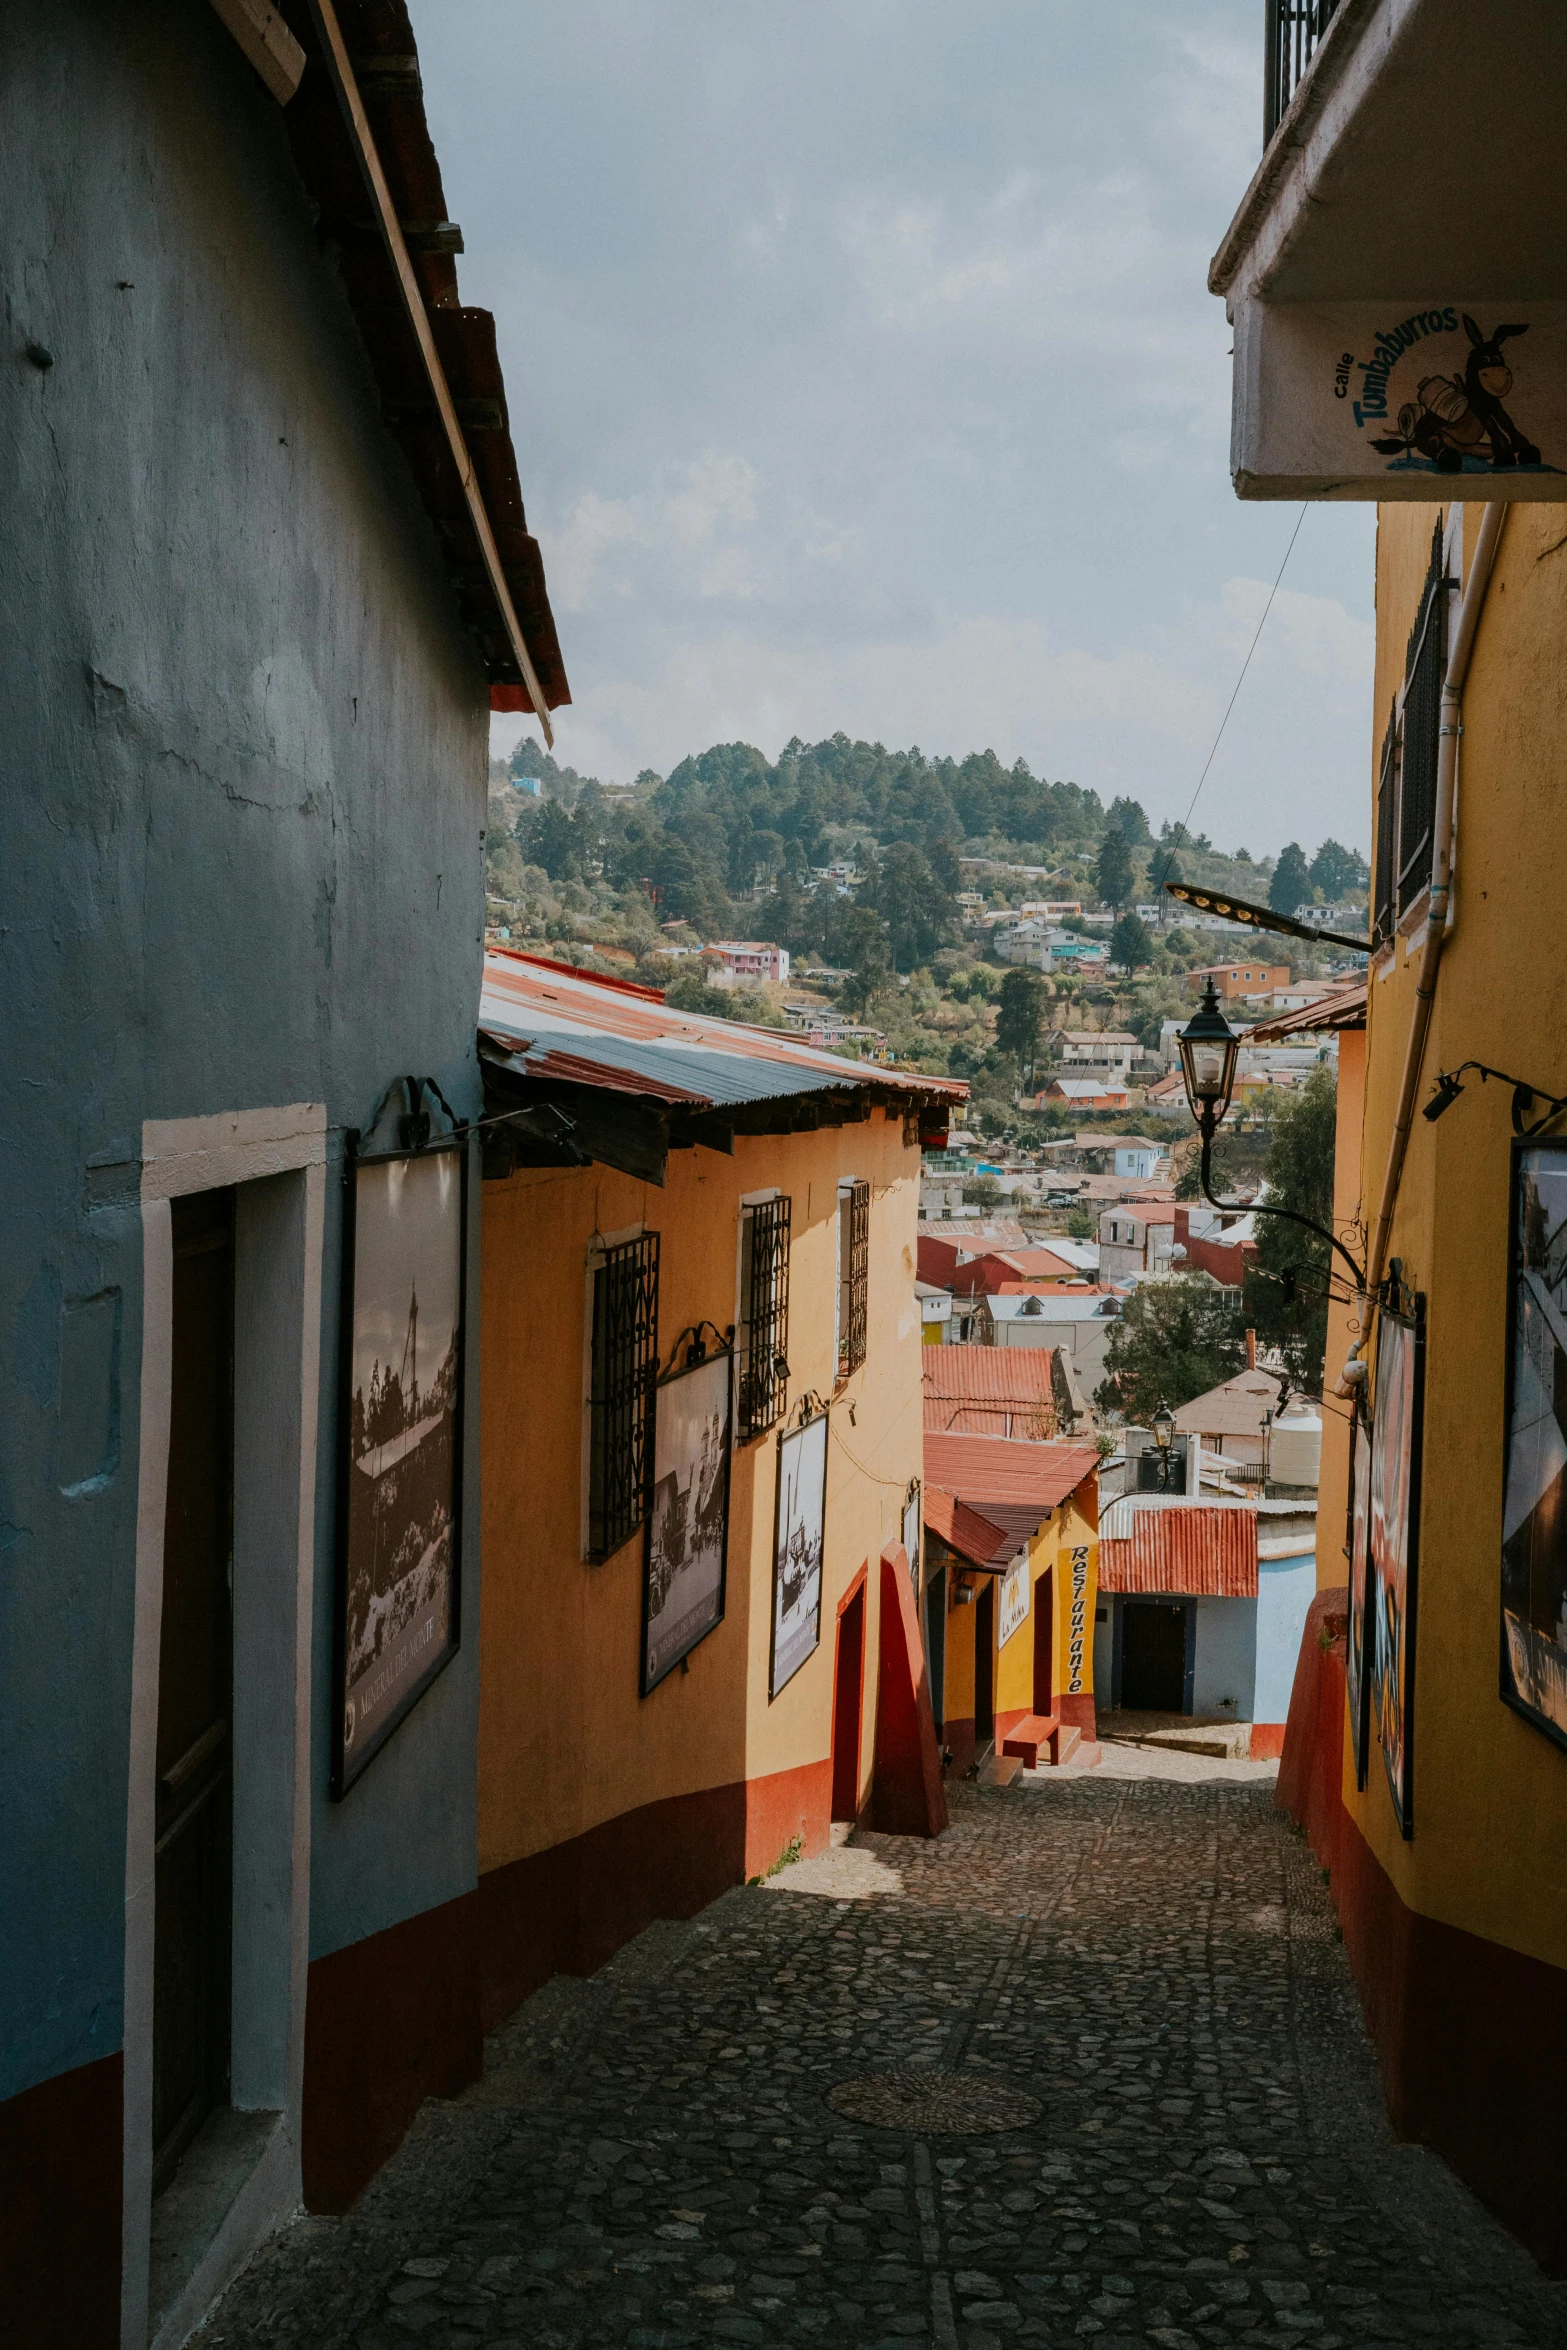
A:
<point x="400" y="1475"/>
<point x="1420" y="400"/>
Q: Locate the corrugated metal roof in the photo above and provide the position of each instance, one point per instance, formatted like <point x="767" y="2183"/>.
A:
<point x="1148" y="1542"/>
<point x="588" y="1030"/>
<point x="974" y="1538"/>
<point x="996" y="1472"/>
<point x="990" y="1391"/>
<point x="1345" y="1010"/>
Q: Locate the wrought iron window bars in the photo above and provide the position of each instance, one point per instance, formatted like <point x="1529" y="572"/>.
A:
<point x="763" y="1329"/>
<point x="625" y="1371"/>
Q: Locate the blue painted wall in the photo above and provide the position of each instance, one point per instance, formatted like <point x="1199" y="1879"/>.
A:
<point x="1285" y="1590"/>
<point x="242" y="792"/>
<point x="1226" y="1657"/>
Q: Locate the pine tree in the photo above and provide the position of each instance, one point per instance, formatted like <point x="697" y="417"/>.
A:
<point x="1113" y="879"/>
<point x="1290" y="887"/>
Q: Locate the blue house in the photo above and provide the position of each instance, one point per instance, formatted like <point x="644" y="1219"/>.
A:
<point x="267" y="574"/>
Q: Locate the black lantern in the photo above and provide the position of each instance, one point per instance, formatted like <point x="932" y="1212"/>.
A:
<point x="1163" y="1426"/>
<point x="1209" y="1050"/>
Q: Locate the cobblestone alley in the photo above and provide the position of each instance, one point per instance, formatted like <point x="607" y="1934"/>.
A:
<point x="1136" y="1977"/>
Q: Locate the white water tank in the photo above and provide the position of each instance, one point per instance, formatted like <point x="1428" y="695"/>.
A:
<point x="1295" y="1449"/>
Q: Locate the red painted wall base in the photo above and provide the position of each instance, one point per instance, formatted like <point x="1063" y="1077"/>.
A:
<point x="1471" y="2037"/>
<point x="60" y="2154"/>
<point x="389" y="2021"/>
<point x="568" y="1909"/>
<point x="1267" y="1741"/>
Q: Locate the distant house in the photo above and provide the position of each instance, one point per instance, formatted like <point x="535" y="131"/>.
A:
<point x="1093" y="1051"/>
<point x="1079" y="1321"/>
<point x="1234" y="980"/>
<point x="1222" y="1245"/>
<point x="747" y="962"/>
<point x="1086" y="1093"/>
<point x="1136" y="1238"/>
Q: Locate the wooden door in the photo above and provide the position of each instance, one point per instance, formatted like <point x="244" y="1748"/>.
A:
<point x="985" y="1668"/>
<point x="1044" y="1643"/>
<point x="194" y="1869"/>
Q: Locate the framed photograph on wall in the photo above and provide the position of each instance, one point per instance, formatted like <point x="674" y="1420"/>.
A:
<point x="400" y="1456"/>
<point x="1534" y="1507"/>
<point x="798" y="1521"/>
<point x="1393" y="1546"/>
<point x="686" y="1544"/>
<point x="1357" y="1680"/>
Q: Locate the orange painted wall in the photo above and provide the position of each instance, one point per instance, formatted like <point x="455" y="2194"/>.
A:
<point x="565" y="1740"/>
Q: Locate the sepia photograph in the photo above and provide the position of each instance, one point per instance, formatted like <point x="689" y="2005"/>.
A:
<point x="400" y="1519"/>
<point x="1394" y="1536"/>
<point x="797" y="1549"/>
<point x="1534" y="1513"/>
<point x="688" y="1523"/>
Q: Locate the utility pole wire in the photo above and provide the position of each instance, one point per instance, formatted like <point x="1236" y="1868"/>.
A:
<point x="1230" y="704"/>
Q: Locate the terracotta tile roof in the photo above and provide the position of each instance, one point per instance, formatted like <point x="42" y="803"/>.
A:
<point x="1148" y="1543"/>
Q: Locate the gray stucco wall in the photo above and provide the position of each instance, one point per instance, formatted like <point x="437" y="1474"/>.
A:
<point x="242" y="785"/>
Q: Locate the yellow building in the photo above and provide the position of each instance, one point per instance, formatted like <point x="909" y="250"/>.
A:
<point x="1409" y="351"/>
<point x="1010" y="1590"/>
<point x="647" y="1738"/>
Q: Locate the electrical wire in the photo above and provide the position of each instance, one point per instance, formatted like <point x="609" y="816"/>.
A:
<point x="1230" y="704"/>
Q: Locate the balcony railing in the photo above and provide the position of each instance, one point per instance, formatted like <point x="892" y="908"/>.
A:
<point x="1294" y="27"/>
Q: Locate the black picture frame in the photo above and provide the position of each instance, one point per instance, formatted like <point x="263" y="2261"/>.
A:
<point x="695" y="1387"/>
<point x="1357" y="1677"/>
<point x="1531" y="1663"/>
<point x="797" y="1534"/>
<point x="365" y="1718"/>
<point x="1393" y="1571"/>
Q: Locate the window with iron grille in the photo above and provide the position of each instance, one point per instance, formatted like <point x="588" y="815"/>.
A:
<point x="1383" y="915"/>
<point x="625" y="1369"/>
<point x="854" y="1268"/>
<point x="762" y="1329"/>
<point x="1422" y="732"/>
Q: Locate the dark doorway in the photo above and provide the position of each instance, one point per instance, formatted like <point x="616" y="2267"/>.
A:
<point x="1153" y="1658"/>
<point x="846" y="1709"/>
<point x="985" y="1667"/>
<point x="936" y="1645"/>
<point x="194" y="1871"/>
<point x="1044" y="1642"/>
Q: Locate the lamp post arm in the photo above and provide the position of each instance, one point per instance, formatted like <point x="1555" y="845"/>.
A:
<point x="1261" y="1208"/>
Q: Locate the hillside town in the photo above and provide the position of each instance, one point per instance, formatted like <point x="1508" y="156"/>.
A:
<point x="782" y="1554"/>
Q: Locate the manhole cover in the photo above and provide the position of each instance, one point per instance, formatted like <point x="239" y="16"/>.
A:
<point x="911" y="2098"/>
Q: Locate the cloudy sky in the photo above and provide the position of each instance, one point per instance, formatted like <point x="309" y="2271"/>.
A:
<point x="863" y="375"/>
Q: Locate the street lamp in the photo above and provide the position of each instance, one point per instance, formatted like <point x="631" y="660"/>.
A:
<point x="1209" y="1049"/>
<point x="1163" y="1426"/>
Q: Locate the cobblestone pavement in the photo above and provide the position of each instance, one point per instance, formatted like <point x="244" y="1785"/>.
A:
<point x="1146" y="1960"/>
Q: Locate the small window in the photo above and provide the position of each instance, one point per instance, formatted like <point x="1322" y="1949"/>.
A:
<point x="625" y="1370"/>
<point x="854" y="1268"/>
<point x="762" y="1330"/>
<point x="1423" y="668"/>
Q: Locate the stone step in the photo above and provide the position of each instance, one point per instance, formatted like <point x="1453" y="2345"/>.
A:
<point x="1000" y="1770"/>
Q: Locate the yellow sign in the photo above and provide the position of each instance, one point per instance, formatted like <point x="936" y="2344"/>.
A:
<point x="1015" y="1598"/>
<point x="1077" y="1574"/>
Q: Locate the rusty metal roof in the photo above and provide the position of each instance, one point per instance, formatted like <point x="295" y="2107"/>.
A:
<point x="545" y="1020"/>
<point x="1153" y="1542"/>
<point x="385" y="62"/>
<point x="974" y="1538"/>
<point x="990" y="1391"/>
<point x="999" y="1473"/>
